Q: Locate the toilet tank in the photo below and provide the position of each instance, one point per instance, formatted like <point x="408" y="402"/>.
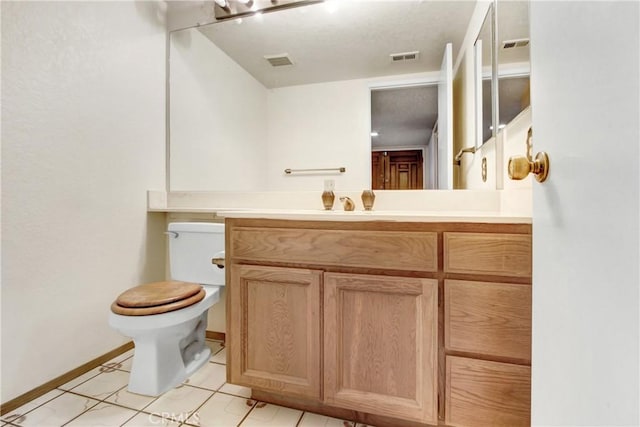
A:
<point x="192" y="245"/>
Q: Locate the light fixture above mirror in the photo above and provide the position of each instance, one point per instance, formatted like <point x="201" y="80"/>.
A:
<point x="230" y="9"/>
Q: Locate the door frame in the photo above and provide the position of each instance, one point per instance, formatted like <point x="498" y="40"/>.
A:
<point x="427" y="79"/>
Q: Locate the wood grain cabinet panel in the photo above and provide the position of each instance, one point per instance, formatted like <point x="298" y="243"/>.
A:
<point x="482" y="393"/>
<point x="274" y="339"/>
<point x="493" y="319"/>
<point x="398" y="250"/>
<point x="380" y="345"/>
<point x="488" y="253"/>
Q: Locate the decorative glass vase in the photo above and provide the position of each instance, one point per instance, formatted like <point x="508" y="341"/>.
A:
<point x="327" y="199"/>
<point x="368" y="197"/>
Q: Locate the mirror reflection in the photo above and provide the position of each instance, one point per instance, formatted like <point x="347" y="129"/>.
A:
<point x="513" y="59"/>
<point x="484" y="70"/>
<point x="403" y="138"/>
<point x="297" y="89"/>
<point x="512" y="68"/>
<point x="237" y="121"/>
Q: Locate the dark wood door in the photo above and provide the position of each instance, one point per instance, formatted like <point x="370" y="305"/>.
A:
<point x="397" y="170"/>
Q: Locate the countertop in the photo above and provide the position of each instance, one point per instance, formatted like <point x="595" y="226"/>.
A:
<point x="416" y="206"/>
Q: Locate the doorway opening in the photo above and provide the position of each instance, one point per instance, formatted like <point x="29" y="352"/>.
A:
<point x="397" y="170"/>
<point x="403" y="137"/>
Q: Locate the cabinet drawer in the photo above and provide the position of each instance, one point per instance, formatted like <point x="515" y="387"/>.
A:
<point x="488" y="253"/>
<point x="482" y="393"/>
<point x="397" y="250"/>
<point x="488" y="318"/>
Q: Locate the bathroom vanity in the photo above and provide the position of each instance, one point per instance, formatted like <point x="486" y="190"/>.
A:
<point x="387" y="322"/>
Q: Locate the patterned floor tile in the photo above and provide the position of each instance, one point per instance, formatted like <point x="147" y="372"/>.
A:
<point x="211" y="376"/>
<point x="19" y="412"/>
<point x="103" y="414"/>
<point x="102" y="386"/>
<point x="58" y="411"/>
<point x="149" y="420"/>
<point x="236" y="390"/>
<point x="179" y="403"/>
<point x="80" y="379"/>
<point x="220" y="357"/>
<point x="135" y="401"/>
<point x="268" y="415"/>
<point x="221" y="410"/>
<point x="310" y="419"/>
<point x="124" y="365"/>
<point x="215" y="346"/>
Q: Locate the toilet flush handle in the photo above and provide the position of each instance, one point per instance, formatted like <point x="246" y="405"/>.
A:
<point x="218" y="259"/>
<point x="173" y="234"/>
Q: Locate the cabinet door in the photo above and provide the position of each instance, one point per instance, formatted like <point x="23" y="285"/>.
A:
<point x="274" y="329"/>
<point x="380" y="345"/>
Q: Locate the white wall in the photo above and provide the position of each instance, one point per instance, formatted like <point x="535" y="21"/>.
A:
<point x="83" y="110"/>
<point x="218" y="122"/>
<point x="585" y="101"/>
<point x="471" y="167"/>
<point x="324" y="125"/>
<point x="513" y="140"/>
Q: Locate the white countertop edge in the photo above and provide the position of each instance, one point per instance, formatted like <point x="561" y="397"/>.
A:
<point x="335" y="215"/>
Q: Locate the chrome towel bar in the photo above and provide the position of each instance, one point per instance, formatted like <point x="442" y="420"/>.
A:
<point x="290" y="171"/>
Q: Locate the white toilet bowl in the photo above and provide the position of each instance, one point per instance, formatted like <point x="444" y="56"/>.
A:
<point x="168" y="320"/>
<point x="169" y="347"/>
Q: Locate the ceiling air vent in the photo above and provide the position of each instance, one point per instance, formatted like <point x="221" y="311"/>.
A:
<point x="279" y="60"/>
<point x="404" y="56"/>
<point x="510" y="44"/>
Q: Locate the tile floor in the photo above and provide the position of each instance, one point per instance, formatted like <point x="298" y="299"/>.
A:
<point x="100" y="398"/>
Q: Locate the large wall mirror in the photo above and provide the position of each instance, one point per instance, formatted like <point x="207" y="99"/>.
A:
<point x="486" y="90"/>
<point x="254" y="96"/>
<point x="502" y="67"/>
<point x="513" y="59"/>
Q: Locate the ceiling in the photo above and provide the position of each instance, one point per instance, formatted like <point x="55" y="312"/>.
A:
<point x="403" y="117"/>
<point x="342" y="40"/>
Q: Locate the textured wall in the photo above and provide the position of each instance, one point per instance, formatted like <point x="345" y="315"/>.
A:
<point x="324" y="125"/>
<point x="218" y="119"/>
<point x="83" y="108"/>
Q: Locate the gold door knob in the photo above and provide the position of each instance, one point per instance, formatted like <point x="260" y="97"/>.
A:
<point x="520" y="167"/>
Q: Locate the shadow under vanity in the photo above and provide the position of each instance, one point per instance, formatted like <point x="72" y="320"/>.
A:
<point x="387" y="323"/>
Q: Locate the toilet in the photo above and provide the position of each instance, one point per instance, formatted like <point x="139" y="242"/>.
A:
<point x="167" y="320"/>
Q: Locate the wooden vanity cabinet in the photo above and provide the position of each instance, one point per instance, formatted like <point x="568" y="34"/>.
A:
<point x="487" y="330"/>
<point x="386" y="323"/>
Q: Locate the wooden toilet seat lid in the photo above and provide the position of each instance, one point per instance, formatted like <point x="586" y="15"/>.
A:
<point x="157" y="298"/>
